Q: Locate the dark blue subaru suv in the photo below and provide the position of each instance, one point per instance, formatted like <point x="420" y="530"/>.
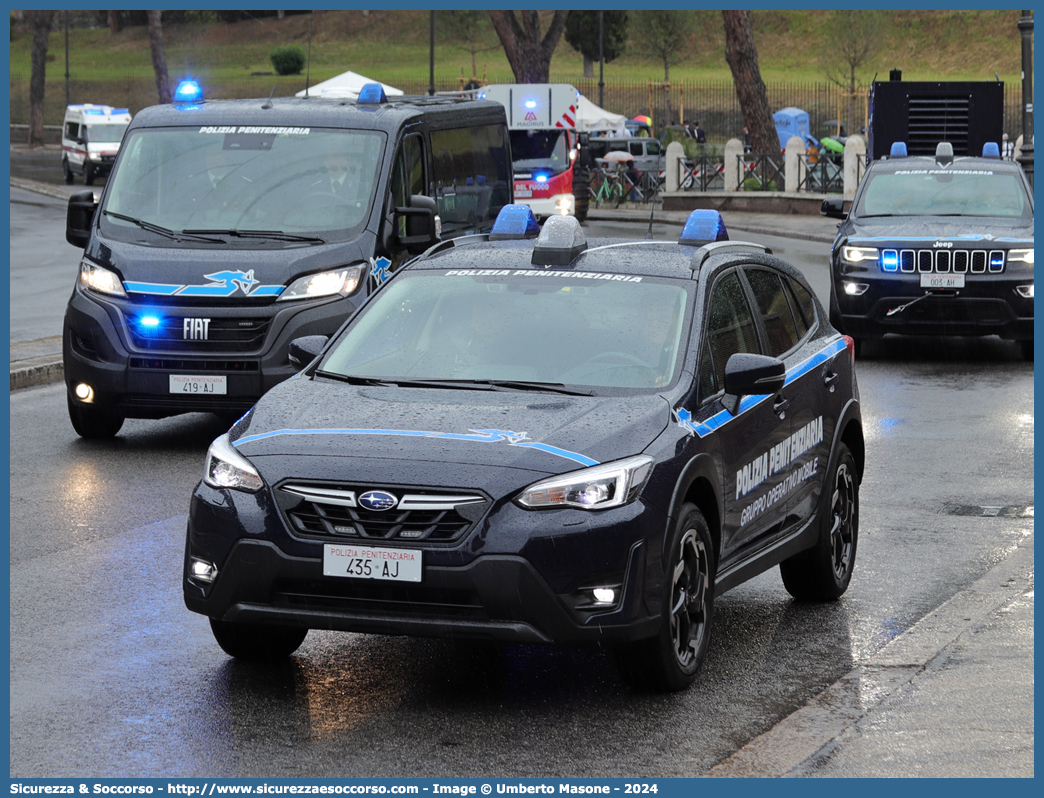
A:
<point x="539" y="438"/>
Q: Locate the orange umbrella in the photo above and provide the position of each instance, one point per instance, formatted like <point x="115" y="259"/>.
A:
<point x="645" y="120"/>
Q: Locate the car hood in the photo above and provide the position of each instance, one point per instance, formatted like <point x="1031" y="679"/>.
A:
<point x="537" y="432"/>
<point x="963" y="230"/>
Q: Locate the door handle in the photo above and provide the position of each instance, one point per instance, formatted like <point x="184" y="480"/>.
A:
<point x="780" y="405"/>
<point x="829" y="379"/>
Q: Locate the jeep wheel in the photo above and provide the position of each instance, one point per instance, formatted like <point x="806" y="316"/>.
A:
<point x="669" y="662"/>
<point x="93" y="423"/>
<point x="255" y="641"/>
<point x="823" y="572"/>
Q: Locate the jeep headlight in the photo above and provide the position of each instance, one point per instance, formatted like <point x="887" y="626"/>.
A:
<point x="227" y="468"/>
<point x="341" y="281"/>
<point x="859" y="254"/>
<point x="597" y="488"/>
<point x="97" y="278"/>
<point x="1021" y="256"/>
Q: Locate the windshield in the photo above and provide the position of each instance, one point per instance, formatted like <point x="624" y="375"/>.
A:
<point x="944" y="192"/>
<point x="300" y="181"/>
<point x="540" y="149"/>
<point x="587" y="330"/>
<point x="105" y="134"/>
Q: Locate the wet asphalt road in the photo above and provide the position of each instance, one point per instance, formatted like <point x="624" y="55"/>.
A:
<point x="111" y="676"/>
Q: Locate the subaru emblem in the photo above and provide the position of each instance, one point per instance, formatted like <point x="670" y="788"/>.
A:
<point x="378" y="500"/>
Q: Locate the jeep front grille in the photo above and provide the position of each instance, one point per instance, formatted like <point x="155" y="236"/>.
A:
<point x="943" y="261"/>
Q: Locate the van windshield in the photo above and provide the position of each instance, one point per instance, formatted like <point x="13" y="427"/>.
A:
<point x="302" y="181"/>
<point x="540" y="149"/>
<point x="105" y="134"/>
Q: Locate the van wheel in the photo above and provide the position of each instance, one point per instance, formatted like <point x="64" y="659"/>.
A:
<point x="94" y="423"/>
<point x="88" y="174"/>
<point x="67" y="172"/>
<point x="255" y="641"/>
<point x="581" y="195"/>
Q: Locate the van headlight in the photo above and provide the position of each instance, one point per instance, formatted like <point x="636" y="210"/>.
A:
<point x="597" y="488"/>
<point x="97" y="278"/>
<point x="227" y="468"/>
<point x="341" y="281"/>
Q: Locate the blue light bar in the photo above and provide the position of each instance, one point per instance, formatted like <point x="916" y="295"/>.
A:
<point x="120" y="111"/>
<point x="996" y="261"/>
<point x="94" y="111"/>
<point x="149" y="322"/>
<point x="541" y="178"/>
<point x="890" y="260"/>
<point x="188" y="91"/>
<point x="372" y="93"/>
<point x="990" y="150"/>
<point x="702" y="227"/>
<point x="530" y="103"/>
<point x="898" y="150"/>
<point x="514" y="222"/>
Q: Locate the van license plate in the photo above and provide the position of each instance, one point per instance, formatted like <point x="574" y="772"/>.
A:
<point x="357" y="561"/>
<point x="209" y="385"/>
<point x="523" y="193"/>
<point x="942" y="281"/>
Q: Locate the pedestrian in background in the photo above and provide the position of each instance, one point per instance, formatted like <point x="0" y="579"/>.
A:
<point x="698" y="134"/>
<point x="746" y="139"/>
<point x="1007" y="148"/>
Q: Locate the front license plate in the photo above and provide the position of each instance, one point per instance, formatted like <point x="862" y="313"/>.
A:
<point x="942" y="281"/>
<point x="209" y="385"/>
<point x="365" y="562"/>
<point x="523" y="193"/>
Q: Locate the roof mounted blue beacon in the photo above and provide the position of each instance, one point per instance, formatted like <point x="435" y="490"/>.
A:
<point x="990" y="150"/>
<point x="372" y="93"/>
<point x="514" y="222"/>
<point x="702" y="227"/>
<point x="188" y="91"/>
<point x="898" y="150"/>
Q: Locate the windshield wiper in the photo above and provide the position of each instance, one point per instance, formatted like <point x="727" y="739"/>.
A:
<point x="273" y="234"/>
<point x="525" y="385"/>
<point x="351" y="379"/>
<point x="163" y="231"/>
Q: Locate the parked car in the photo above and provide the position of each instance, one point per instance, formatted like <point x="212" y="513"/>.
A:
<point x="541" y="440"/>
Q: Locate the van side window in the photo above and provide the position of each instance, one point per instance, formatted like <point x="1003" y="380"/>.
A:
<point x="472" y="177"/>
<point x="72" y="130"/>
<point x="652" y="147"/>
<point x="636" y="147"/>
<point x="407" y="175"/>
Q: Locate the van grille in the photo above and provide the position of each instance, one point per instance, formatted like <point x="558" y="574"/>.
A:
<point x="223" y="335"/>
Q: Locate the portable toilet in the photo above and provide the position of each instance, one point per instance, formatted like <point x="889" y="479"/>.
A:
<point x="790" y="122"/>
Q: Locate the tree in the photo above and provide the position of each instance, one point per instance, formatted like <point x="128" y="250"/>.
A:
<point x="742" y="58"/>
<point x="664" y="34"/>
<point x="581" y="32"/>
<point x="852" y="38"/>
<point x="528" y="54"/>
<point x="467" y="30"/>
<point x="159" y="56"/>
<point x="40" y="22"/>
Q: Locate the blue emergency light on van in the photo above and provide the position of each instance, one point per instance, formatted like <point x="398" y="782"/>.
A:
<point x="702" y="227"/>
<point x="188" y="91"/>
<point x="372" y="93"/>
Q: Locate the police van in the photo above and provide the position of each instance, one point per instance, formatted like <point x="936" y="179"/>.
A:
<point x="229" y="228"/>
<point x="91" y="136"/>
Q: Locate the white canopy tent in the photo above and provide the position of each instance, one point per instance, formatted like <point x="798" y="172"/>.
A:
<point x="346" y="86"/>
<point x="592" y="119"/>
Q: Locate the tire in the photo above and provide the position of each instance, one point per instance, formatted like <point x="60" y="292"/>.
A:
<point x="1026" y="348"/>
<point x="67" y="172"/>
<point x="824" y="572"/>
<point x="88" y="174"/>
<point x="581" y="195"/>
<point x="670" y="661"/>
<point x="93" y="423"/>
<point x="257" y="642"/>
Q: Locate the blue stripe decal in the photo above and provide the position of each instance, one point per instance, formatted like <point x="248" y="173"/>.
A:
<point x="151" y="288"/>
<point x="720" y="419"/>
<point x="476" y="436"/>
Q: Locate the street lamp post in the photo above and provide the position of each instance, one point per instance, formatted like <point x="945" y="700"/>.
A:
<point x="601" y="58"/>
<point x="431" y="54"/>
<point x="1026" y="158"/>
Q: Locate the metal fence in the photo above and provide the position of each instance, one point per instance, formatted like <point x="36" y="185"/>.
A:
<point x="713" y="103"/>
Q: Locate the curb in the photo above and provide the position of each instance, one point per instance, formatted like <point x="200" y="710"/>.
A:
<point x="802" y="735"/>
<point x="37" y="374"/>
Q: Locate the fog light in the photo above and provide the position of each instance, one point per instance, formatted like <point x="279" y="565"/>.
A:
<point x="856" y="289"/>
<point x="202" y="570"/>
<point x="84" y="392"/>
<point x="604" y="595"/>
<point x="1025" y="291"/>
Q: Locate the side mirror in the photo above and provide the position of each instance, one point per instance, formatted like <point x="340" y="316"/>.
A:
<point x="834" y="207"/>
<point x="306" y="349"/>
<point x="423" y="226"/>
<point x="751" y="375"/>
<point x="78" y="218"/>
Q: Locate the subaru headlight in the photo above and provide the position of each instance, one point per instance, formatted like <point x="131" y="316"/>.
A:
<point x="97" y="278"/>
<point x="341" y="281"/>
<point x="597" y="488"/>
<point x="227" y="468"/>
<point x="1021" y="256"/>
<point x="858" y="254"/>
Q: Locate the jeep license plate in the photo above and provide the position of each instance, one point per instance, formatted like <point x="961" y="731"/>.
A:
<point x="209" y="385"/>
<point x="357" y="561"/>
<point x="942" y="281"/>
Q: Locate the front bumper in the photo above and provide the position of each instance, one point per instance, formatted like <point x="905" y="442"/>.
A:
<point x="517" y="576"/>
<point x="987" y="305"/>
<point x="98" y="349"/>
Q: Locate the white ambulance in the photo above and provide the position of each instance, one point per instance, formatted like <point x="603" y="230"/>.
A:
<point x="91" y="136"/>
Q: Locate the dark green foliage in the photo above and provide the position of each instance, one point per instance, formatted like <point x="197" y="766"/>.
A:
<point x="581" y="31"/>
<point x="288" y="60"/>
